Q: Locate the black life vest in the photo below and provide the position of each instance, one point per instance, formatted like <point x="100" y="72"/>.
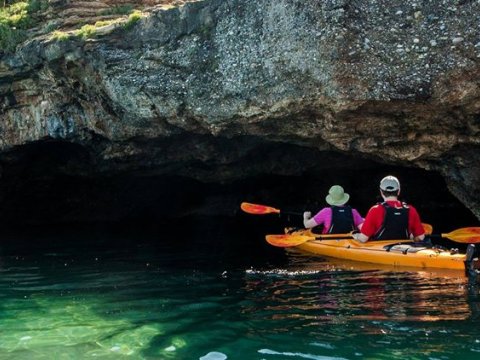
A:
<point x="395" y="223"/>
<point x="342" y="220"/>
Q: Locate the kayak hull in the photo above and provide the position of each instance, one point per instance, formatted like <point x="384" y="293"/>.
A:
<point x="386" y="252"/>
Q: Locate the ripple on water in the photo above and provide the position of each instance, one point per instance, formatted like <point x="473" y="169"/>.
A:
<point x="282" y="272"/>
<point x="323" y="345"/>
<point x="300" y="355"/>
<point x="214" y="355"/>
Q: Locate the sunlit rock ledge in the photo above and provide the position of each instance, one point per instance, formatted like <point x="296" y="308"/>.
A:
<point x="197" y="88"/>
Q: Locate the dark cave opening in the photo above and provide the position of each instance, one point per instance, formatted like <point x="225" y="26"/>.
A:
<point x="58" y="183"/>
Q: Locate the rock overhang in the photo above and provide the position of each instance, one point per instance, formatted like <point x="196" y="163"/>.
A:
<point x="205" y="83"/>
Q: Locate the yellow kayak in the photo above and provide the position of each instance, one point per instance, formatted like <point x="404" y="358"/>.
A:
<point x="387" y="252"/>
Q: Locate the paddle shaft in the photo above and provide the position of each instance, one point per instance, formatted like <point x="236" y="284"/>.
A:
<point x="290" y="213"/>
<point x="332" y="236"/>
<point x="468" y="240"/>
<point x="470" y="235"/>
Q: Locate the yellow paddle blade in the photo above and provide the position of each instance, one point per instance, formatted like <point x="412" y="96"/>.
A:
<point x="286" y="240"/>
<point x="427" y="228"/>
<point x="468" y="235"/>
<point x="257" y="209"/>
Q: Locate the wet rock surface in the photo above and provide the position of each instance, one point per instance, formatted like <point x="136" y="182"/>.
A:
<point x="220" y="91"/>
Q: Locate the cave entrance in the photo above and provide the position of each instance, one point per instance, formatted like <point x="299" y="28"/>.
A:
<point x="425" y="190"/>
<point x="58" y="183"/>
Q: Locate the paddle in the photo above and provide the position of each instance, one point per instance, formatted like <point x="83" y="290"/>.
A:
<point x="287" y="240"/>
<point x="469" y="235"/>
<point x="427" y="228"/>
<point x="257" y="209"/>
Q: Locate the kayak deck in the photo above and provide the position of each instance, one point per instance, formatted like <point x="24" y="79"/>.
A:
<point x="387" y="252"/>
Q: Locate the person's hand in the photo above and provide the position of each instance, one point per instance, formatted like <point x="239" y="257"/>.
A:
<point x="356" y="235"/>
<point x="307" y="215"/>
<point x="360" y="237"/>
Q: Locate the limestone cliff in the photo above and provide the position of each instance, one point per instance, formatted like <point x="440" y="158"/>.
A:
<point x="194" y="88"/>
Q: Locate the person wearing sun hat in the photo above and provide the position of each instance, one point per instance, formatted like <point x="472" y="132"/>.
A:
<point x="337" y="218"/>
<point x="391" y="219"/>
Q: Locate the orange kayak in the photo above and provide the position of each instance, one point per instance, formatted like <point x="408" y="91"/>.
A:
<point x="387" y="252"/>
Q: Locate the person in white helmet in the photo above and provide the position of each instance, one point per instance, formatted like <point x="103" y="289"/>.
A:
<point x="338" y="217"/>
<point x="391" y="219"/>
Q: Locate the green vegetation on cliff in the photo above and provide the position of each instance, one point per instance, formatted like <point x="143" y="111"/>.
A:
<point x="16" y="17"/>
<point x="118" y="10"/>
<point x="90" y="31"/>
<point x="132" y="19"/>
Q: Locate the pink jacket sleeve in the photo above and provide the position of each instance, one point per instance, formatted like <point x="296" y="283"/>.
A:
<point x="357" y="218"/>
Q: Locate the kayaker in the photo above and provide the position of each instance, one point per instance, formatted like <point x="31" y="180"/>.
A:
<point x="337" y="218"/>
<point x="391" y="219"/>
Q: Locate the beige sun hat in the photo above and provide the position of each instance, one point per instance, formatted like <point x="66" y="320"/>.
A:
<point x="337" y="196"/>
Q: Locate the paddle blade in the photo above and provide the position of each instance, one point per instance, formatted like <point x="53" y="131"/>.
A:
<point x="257" y="209"/>
<point x="427" y="228"/>
<point x="468" y="235"/>
<point x="287" y="240"/>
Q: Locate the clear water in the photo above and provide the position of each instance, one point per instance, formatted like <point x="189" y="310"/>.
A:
<point x="219" y="292"/>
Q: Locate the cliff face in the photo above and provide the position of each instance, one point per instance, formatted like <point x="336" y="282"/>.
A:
<point x="195" y="89"/>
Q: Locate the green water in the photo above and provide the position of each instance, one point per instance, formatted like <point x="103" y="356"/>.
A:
<point x="220" y="294"/>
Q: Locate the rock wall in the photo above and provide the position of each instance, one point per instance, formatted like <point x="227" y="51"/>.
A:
<point x="192" y="89"/>
<point x="72" y="13"/>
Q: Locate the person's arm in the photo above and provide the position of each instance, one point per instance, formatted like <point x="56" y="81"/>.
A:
<point x="319" y="219"/>
<point x="357" y="219"/>
<point x="371" y="224"/>
<point x="415" y="225"/>
<point x="419" y="237"/>
<point x="308" y="221"/>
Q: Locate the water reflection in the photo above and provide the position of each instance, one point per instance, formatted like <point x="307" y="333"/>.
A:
<point x="319" y="291"/>
<point x="152" y="300"/>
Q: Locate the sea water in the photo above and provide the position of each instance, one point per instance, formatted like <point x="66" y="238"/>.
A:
<point x="218" y="291"/>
